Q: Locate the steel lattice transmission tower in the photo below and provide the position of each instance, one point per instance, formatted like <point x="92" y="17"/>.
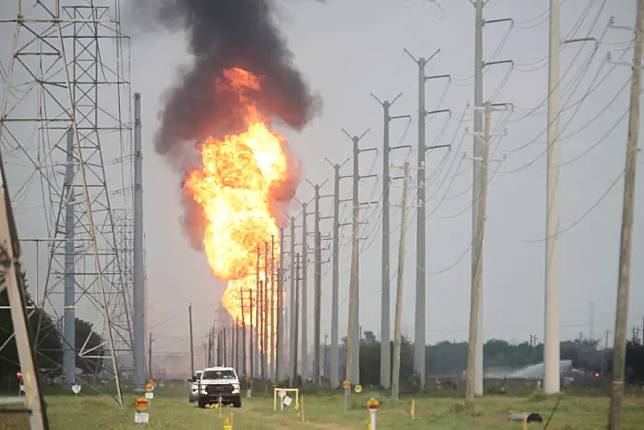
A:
<point x="66" y="127"/>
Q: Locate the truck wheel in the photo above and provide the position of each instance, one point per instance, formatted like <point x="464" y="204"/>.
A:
<point x="237" y="402"/>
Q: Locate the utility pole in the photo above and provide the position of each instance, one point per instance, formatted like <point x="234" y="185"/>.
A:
<point x="304" y="345"/>
<point x="477" y="351"/>
<point x="69" y="318"/>
<point x="266" y="328"/>
<point x="258" y="294"/>
<point x="225" y="344"/>
<point x="236" y="327"/>
<point x="150" y="355"/>
<point x="551" y="317"/>
<point x="138" y="257"/>
<point x="295" y="320"/>
<point x="280" y="310"/>
<point x="251" y="342"/>
<point x="262" y="332"/>
<point x="334" y="364"/>
<point x="192" y="351"/>
<point x="353" y="332"/>
<point x="271" y="312"/>
<point x="385" y="354"/>
<point x="621" y="313"/>
<point x="477" y="260"/>
<point x="243" y="328"/>
<point x="395" y="380"/>
<point x="477" y="253"/>
<point x="317" y="277"/>
<point x="218" y="363"/>
<point x="591" y="321"/>
<point x="292" y="335"/>
<point x="421" y="223"/>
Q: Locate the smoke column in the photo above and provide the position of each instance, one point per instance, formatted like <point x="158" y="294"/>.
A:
<point x="224" y="34"/>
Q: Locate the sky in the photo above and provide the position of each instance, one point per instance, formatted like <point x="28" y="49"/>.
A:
<point x="349" y="49"/>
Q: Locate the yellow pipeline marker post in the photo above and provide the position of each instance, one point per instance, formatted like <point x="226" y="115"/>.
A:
<point x="373" y="405"/>
<point x="302" y="408"/>
<point x="412" y="409"/>
<point x="228" y="425"/>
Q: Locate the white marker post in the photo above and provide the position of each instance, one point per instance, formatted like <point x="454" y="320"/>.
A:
<point x="346" y="384"/>
<point x="373" y="406"/>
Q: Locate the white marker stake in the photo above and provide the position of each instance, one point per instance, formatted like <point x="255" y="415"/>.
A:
<point x="372" y="417"/>
<point x="141" y="417"/>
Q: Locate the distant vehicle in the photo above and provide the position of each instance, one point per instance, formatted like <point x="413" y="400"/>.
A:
<point x="194" y="386"/>
<point x="219" y="382"/>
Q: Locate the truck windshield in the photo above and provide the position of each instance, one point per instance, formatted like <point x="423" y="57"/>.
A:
<point x="218" y="374"/>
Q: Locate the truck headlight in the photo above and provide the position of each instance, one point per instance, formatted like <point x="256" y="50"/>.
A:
<point x="235" y="388"/>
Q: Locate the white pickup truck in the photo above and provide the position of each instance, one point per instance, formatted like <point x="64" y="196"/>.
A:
<point x="219" y="383"/>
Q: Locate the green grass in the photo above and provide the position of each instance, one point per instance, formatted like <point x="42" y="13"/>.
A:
<point x="168" y="411"/>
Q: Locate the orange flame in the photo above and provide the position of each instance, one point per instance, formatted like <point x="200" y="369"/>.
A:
<point x="233" y="188"/>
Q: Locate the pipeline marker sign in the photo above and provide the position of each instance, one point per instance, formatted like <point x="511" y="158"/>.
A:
<point x="141" y="404"/>
<point x="76" y="388"/>
<point x="358" y="389"/>
<point x="141" y="417"/>
<point x="346" y="384"/>
<point x="149" y="395"/>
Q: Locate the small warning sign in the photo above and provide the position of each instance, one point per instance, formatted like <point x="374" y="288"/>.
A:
<point x="141" y="417"/>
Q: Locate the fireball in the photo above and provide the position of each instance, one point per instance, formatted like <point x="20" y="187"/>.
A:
<point x="233" y="188"/>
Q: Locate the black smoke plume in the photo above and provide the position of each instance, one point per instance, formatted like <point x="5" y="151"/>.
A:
<point x="224" y="34"/>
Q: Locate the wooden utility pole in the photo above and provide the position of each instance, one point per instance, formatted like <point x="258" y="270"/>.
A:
<point x="621" y="314"/>
<point x="395" y="379"/>
<point x="192" y="350"/>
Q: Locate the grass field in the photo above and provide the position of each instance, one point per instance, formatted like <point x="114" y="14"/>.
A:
<point x="168" y="411"/>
